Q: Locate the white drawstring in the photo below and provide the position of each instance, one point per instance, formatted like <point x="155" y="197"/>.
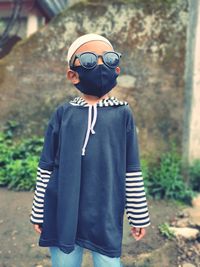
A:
<point x="90" y="125"/>
<point x="94" y="119"/>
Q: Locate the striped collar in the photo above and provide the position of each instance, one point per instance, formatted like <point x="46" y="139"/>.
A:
<point x="105" y="102"/>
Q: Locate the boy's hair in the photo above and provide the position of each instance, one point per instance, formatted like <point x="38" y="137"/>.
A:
<point x="82" y="40"/>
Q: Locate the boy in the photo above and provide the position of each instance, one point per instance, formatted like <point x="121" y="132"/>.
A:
<point x="89" y="170"/>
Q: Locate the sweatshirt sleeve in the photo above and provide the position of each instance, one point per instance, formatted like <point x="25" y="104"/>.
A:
<point x="136" y="202"/>
<point x="45" y="167"/>
<point x="51" y="142"/>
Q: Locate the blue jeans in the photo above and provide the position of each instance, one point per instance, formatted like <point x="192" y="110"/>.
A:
<point x="74" y="259"/>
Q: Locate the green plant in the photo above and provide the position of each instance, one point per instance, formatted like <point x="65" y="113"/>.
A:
<point x="165" y="179"/>
<point x="166" y="231"/>
<point x="18" y="160"/>
<point x="22" y="173"/>
<point x="194" y="174"/>
<point x="10" y="127"/>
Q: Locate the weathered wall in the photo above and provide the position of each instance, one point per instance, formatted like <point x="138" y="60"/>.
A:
<point x="151" y="36"/>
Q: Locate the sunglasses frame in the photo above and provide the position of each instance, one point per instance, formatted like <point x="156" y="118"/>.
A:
<point x="75" y="56"/>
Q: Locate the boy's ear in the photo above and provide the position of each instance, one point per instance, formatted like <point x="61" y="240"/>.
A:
<point x="72" y="76"/>
<point x="118" y="70"/>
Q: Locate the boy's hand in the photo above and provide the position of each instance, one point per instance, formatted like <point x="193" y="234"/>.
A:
<point x="138" y="233"/>
<point x="37" y="228"/>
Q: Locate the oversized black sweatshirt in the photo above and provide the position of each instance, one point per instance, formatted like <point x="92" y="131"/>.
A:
<point x="89" y="173"/>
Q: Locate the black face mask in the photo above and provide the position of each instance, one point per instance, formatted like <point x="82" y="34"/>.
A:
<point x="97" y="81"/>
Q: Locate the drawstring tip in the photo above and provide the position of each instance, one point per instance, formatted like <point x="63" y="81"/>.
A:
<point x="83" y="152"/>
<point x="93" y="132"/>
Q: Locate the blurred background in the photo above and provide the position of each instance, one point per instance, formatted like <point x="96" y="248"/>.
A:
<point x="160" y="78"/>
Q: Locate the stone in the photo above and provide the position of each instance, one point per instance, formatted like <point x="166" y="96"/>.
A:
<point x="194" y="214"/>
<point x="183" y="214"/>
<point x="188" y="265"/>
<point x="182" y="222"/>
<point x="196" y="201"/>
<point x="185" y="232"/>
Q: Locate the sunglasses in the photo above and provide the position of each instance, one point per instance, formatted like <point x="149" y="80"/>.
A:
<point x="89" y="60"/>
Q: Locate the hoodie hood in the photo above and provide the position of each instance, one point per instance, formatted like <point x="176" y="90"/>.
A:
<point x="104" y="102"/>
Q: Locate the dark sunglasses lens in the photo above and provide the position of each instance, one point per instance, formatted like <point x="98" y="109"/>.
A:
<point x="111" y="59"/>
<point x="88" y="60"/>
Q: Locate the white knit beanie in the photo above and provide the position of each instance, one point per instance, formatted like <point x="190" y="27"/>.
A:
<point x="82" y="40"/>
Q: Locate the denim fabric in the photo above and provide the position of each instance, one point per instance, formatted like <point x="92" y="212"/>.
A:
<point x="74" y="259"/>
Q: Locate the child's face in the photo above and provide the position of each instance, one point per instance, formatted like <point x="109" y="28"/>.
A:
<point x="97" y="47"/>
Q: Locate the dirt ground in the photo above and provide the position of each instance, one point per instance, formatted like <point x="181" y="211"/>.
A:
<point x="19" y="242"/>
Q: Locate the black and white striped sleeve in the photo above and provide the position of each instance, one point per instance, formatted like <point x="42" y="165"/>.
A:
<point x="46" y="166"/>
<point x="37" y="212"/>
<point x="136" y="203"/>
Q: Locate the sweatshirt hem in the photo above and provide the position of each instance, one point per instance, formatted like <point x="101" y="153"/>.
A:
<point x="82" y="243"/>
<point x="89" y="245"/>
<point x="54" y="243"/>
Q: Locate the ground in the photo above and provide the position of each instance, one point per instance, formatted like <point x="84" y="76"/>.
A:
<point x="19" y="241"/>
